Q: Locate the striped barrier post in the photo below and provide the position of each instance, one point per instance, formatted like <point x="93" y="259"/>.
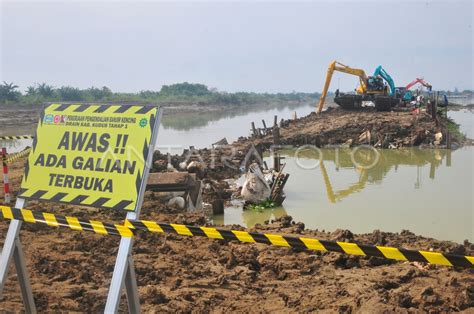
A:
<point x="6" y="185"/>
<point x="130" y="227"/>
<point x="16" y="137"/>
<point x="13" y="157"/>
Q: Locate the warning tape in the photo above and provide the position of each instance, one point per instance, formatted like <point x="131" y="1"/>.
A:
<point x="16" y="137"/>
<point x="128" y="230"/>
<point x="73" y="223"/>
<point x="13" y="157"/>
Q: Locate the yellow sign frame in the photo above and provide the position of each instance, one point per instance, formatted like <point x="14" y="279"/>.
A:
<point x="91" y="154"/>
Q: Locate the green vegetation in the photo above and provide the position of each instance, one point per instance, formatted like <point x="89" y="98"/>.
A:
<point x="9" y="92"/>
<point x="260" y="207"/>
<point x="175" y="94"/>
<point x="455" y="131"/>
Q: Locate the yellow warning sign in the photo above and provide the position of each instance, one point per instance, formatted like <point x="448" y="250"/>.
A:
<point x="92" y="155"/>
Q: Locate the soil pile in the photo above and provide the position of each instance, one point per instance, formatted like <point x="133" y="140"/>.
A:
<point x="336" y="126"/>
<point x="71" y="271"/>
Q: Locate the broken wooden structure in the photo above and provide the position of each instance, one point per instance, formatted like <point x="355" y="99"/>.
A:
<point x="266" y="130"/>
<point x="279" y="179"/>
<point x="178" y="182"/>
<point x="277" y="195"/>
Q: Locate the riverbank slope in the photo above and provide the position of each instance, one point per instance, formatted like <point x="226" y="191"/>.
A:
<point x="71" y="271"/>
<point x="335" y="126"/>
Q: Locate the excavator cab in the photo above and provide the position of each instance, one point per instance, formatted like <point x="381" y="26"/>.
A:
<point x="400" y="92"/>
<point x="375" y="85"/>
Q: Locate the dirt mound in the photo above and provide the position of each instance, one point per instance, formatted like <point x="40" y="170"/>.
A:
<point x="337" y="126"/>
<point x="71" y="271"/>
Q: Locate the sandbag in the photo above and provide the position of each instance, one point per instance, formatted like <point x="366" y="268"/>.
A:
<point x="255" y="188"/>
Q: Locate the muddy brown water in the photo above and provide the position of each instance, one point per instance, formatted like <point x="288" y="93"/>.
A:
<point x="428" y="192"/>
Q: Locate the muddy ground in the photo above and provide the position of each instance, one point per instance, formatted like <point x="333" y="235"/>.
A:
<point x="395" y="129"/>
<point x="71" y="271"/>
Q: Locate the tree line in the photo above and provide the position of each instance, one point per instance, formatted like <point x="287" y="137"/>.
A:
<point x="173" y="94"/>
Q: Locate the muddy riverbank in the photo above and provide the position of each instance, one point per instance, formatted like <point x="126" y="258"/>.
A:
<point x="71" y="271"/>
<point x="183" y="126"/>
<point x="363" y="127"/>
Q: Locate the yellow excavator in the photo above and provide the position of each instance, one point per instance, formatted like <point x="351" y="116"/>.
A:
<point x="371" y="88"/>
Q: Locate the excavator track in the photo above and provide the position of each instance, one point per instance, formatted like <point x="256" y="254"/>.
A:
<point x="349" y="102"/>
<point x="385" y="103"/>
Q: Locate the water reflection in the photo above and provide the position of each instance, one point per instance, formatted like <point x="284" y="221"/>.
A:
<point x="428" y="191"/>
<point x="371" y="165"/>
<point x="180" y="131"/>
<point x="189" y="121"/>
<point x="250" y="217"/>
<point x="335" y="196"/>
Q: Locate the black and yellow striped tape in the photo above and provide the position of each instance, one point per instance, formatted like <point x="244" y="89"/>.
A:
<point x="73" y="223"/>
<point x="13" y="157"/>
<point x="128" y="230"/>
<point x="15" y="137"/>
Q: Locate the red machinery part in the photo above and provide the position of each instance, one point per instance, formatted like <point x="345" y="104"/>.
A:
<point x="6" y="185"/>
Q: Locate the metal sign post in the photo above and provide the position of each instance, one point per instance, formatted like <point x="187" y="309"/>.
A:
<point x="124" y="274"/>
<point x="12" y="248"/>
<point x="124" y="271"/>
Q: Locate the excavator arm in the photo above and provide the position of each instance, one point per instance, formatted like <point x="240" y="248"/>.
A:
<point x="420" y="81"/>
<point x="337" y="66"/>
<point x="381" y="71"/>
<point x="408" y="94"/>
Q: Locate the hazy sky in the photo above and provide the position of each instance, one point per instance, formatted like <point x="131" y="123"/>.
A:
<point x="238" y="46"/>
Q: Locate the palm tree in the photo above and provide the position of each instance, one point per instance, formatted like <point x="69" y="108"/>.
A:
<point x="68" y="93"/>
<point x="8" y="91"/>
<point x="45" y="90"/>
<point x="31" y="91"/>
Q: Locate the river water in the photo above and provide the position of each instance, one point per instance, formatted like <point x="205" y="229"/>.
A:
<point x="429" y="192"/>
<point x="201" y="130"/>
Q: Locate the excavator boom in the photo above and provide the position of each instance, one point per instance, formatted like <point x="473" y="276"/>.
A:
<point x="407" y="94"/>
<point x="381" y="71"/>
<point x="420" y="81"/>
<point x="337" y="66"/>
